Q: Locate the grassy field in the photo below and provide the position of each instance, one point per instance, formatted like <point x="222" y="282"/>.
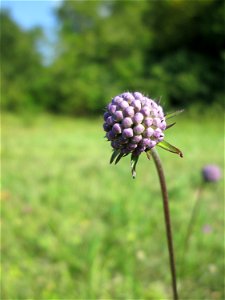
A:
<point x="75" y="227"/>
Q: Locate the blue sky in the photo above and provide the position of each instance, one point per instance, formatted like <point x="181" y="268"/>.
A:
<point x="32" y="13"/>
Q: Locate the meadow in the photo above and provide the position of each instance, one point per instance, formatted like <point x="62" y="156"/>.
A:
<point x="75" y="227"/>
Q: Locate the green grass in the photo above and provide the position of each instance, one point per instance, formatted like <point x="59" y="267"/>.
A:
<point x="75" y="227"/>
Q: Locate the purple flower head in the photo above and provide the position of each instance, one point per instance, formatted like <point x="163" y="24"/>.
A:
<point x="211" y="173"/>
<point x="134" y="124"/>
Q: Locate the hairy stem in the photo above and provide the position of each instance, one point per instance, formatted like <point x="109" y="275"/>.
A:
<point x="162" y="180"/>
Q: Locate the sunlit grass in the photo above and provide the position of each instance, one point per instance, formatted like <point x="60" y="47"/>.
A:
<point x="75" y="227"/>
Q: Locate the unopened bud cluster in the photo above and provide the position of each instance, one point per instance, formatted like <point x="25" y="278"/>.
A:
<point x="134" y="123"/>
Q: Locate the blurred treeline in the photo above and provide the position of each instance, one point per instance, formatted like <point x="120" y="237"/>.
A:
<point x="171" y="49"/>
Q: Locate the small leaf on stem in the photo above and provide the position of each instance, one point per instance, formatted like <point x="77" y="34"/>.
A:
<point x="165" y="145"/>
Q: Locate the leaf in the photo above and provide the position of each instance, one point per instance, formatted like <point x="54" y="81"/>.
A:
<point x="114" y="155"/>
<point x="134" y="160"/>
<point x="170" y="125"/>
<point x="173" y="114"/>
<point x="165" y="145"/>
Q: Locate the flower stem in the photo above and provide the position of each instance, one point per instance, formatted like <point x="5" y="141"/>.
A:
<point x="162" y="180"/>
<point x="193" y="217"/>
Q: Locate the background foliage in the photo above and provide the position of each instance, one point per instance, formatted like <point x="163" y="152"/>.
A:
<point x="73" y="227"/>
<point x="169" y="49"/>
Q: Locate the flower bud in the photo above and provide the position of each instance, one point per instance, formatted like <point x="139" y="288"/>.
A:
<point x="127" y="133"/>
<point x="138" y="118"/>
<point x="129" y="111"/>
<point x="139" y="129"/>
<point x="136" y="104"/>
<point x="110" y="120"/>
<point x="149" y="132"/>
<point x="127" y="122"/>
<point x="118" y="115"/>
<point x="123" y="105"/>
<point x="136" y="139"/>
<point x="116" y="128"/>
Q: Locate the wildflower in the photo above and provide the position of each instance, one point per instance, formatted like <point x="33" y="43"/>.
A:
<point x="211" y="173"/>
<point x="134" y="124"/>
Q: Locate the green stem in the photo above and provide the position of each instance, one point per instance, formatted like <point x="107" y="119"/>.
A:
<point x="193" y="217"/>
<point x="191" y="224"/>
<point x="162" y="180"/>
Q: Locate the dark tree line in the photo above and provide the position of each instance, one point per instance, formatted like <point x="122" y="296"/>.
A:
<point x="170" y="49"/>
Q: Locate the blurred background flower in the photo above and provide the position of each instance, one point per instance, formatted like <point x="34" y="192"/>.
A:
<point x="211" y="173"/>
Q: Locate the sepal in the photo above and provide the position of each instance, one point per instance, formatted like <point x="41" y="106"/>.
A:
<point x="119" y="157"/>
<point x="173" y="114"/>
<point x="114" y="155"/>
<point x="148" y="153"/>
<point x="170" y="125"/>
<point x="134" y="160"/>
